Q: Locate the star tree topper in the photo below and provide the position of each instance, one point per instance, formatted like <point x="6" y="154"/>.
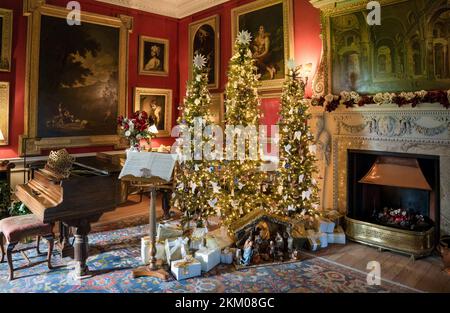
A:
<point x="199" y="61"/>
<point x="244" y="37"/>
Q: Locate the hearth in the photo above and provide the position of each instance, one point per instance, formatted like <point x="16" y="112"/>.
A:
<point x="393" y="201"/>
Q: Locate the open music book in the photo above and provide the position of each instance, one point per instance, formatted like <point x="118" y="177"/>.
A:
<point x="147" y="164"/>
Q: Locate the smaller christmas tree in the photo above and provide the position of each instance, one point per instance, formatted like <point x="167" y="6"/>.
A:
<point x="297" y="189"/>
<point x="196" y="184"/>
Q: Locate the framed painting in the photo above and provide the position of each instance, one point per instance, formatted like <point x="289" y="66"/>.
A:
<point x="270" y="22"/>
<point x="77" y="78"/>
<point x="204" y="36"/>
<point x="407" y="52"/>
<point x="153" y="56"/>
<point x="217" y="110"/>
<point x="4" y="113"/>
<point x="158" y="104"/>
<point x="6" y="22"/>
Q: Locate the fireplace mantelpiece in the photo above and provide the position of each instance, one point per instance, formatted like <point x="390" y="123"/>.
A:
<point x="422" y="130"/>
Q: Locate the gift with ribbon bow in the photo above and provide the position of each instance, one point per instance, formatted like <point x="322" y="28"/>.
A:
<point x="176" y="249"/>
<point x="198" y="238"/>
<point x="209" y="258"/>
<point x="168" y="231"/>
<point x="186" y="268"/>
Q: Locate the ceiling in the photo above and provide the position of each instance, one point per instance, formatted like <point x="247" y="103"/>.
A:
<point x="172" y="8"/>
<point x="183" y="8"/>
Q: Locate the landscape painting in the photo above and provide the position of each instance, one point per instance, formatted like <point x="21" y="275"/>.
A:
<point x="409" y="51"/>
<point x="78" y="79"/>
<point x="204" y="40"/>
<point x="268" y="23"/>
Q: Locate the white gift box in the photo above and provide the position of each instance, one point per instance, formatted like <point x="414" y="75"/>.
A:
<point x="145" y="250"/>
<point x="209" y="258"/>
<point x="198" y="238"/>
<point x="186" y="268"/>
<point x="226" y="257"/>
<point x="168" y="231"/>
<point x="337" y="237"/>
<point x="176" y="249"/>
<point x="324" y="225"/>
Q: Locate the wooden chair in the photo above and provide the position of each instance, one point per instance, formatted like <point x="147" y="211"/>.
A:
<point x="16" y="228"/>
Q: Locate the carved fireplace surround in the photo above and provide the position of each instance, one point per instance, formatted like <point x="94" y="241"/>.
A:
<point x="423" y="130"/>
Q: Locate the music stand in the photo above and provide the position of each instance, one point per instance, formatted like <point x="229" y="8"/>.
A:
<point x="154" y="182"/>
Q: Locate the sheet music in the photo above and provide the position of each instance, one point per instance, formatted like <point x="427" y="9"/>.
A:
<point x="159" y="164"/>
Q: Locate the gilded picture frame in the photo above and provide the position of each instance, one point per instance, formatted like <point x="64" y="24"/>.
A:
<point x="270" y="22"/>
<point x="204" y="38"/>
<point x="6" y="20"/>
<point x="158" y="104"/>
<point x="35" y="10"/>
<point x="217" y="110"/>
<point x="4" y="112"/>
<point x="402" y="59"/>
<point x="151" y="51"/>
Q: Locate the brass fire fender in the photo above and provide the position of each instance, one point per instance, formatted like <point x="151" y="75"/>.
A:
<point x="416" y="244"/>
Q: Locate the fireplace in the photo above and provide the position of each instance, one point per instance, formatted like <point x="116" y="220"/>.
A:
<point x="393" y="200"/>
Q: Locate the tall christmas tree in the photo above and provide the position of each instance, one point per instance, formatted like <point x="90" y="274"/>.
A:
<point x="297" y="189"/>
<point x="196" y="184"/>
<point x="242" y="178"/>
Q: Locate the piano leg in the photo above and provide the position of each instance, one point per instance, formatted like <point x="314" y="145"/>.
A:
<point x="81" y="250"/>
<point x="64" y="246"/>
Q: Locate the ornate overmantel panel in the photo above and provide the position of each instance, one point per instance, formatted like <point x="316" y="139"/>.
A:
<point x="422" y="130"/>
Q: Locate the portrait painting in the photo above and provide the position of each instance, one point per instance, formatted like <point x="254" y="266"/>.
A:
<point x="153" y="56"/>
<point x="78" y="79"/>
<point x="269" y="23"/>
<point x="204" y="40"/>
<point x="158" y="104"/>
<point x="6" y="17"/>
<point x="4" y="113"/>
<point x="407" y="52"/>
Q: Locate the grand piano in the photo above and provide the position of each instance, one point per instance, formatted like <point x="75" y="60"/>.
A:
<point x="75" y="201"/>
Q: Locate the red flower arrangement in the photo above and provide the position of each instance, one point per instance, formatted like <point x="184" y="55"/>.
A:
<point x="352" y="99"/>
<point x="135" y="128"/>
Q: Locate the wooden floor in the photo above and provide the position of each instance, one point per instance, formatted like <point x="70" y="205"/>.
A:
<point x="423" y="274"/>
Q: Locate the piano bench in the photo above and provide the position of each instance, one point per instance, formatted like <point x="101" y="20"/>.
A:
<point x="16" y="228"/>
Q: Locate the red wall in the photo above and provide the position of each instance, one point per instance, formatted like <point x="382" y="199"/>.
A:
<point x="307" y="49"/>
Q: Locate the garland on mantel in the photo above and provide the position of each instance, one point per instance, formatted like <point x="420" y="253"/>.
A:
<point x="353" y="99"/>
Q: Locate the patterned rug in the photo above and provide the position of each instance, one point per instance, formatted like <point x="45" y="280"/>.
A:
<point x="113" y="255"/>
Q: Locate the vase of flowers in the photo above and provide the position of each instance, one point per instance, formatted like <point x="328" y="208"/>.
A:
<point x="136" y="128"/>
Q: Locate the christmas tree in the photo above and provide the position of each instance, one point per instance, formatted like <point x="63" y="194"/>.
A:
<point x="241" y="176"/>
<point x="196" y="184"/>
<point x="297" y="189"/>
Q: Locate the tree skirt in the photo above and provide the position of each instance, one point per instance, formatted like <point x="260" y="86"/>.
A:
<point x="113" y="255"/>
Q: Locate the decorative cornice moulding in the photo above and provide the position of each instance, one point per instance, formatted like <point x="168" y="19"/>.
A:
<point x="170" y="8"/>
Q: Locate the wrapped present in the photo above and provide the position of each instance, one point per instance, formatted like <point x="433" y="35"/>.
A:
<point x="145" y="250"/>
<point x="168" y="231"/>
<point x="218" y="239"/>
<point x="324" y="225"/>
<point x="198" y="238"/>
<point x="335" y="216"/>
<point x="338" y="236"/>
<point x="316" y="238"/>
<point x="209" y="258"/>
<point x="312" y="243"/>
<point x="187" y="267"/>
<point x="226" y="257"/>
<point x="176" y="249"/>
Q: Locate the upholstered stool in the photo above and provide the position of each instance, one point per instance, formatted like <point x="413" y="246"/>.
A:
<point x="16" y="228"/>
